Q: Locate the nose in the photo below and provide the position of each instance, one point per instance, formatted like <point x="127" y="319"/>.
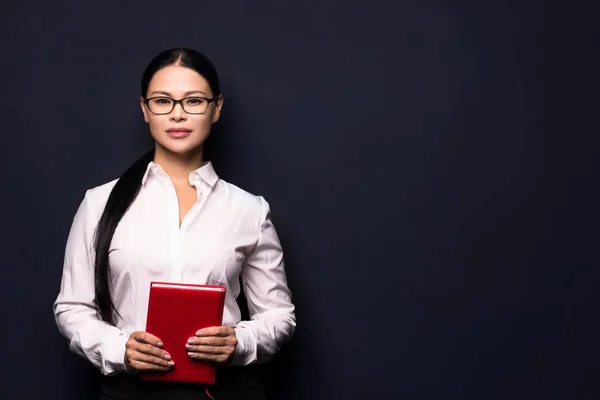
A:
<point x="178" y="114"/>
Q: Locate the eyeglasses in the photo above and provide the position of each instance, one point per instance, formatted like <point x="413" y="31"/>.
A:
<point x="164" y="105"/>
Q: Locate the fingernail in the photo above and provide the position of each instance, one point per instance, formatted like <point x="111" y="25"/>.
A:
<point x="171" y="363"/>
<point x="199" y="333"/>
<point x="190" y="341"/>
<point x="159" y="344"/>
<point x="167" y="356"/>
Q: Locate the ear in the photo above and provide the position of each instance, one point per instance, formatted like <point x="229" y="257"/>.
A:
<point x="144" y="109"/>
<point x="218" y="107"/>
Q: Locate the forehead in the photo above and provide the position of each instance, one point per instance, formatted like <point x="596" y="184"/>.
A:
<point x="176" y="79"/>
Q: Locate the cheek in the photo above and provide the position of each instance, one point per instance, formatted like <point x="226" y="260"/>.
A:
<point x="157" y="125"/>
<point x="200" y="123"/>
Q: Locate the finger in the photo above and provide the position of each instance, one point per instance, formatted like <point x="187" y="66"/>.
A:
<point x="134" y="355"/>
<point x="215" y="331"/>
<point x="210" y="341"/>
<point x="151" y="350"/>
<point x="207" y="357"/>
<point x="145" y="337"/>
<point x="208" y="349"/>
<point x="149" y="359"/>
<point x="146" y="366"/>
<point x="202" y="356"/>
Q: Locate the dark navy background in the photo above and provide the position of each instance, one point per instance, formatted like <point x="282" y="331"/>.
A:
<point x="430" y="167"/>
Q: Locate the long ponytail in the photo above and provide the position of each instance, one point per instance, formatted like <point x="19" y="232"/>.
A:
<point x="120" y="199"/>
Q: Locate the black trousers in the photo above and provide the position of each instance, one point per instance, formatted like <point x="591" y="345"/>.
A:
<point x="232" y="383"/>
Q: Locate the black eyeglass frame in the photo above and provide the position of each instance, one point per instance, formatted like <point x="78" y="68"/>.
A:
<point x="180" y="101"/>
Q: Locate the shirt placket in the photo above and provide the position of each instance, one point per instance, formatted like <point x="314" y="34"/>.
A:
<point x="175" y="233"/>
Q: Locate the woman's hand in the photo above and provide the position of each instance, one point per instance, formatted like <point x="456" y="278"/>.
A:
<point x="143" y="352"/>
<point x="215" y="344"/>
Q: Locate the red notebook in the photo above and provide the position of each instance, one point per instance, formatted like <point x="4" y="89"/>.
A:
<point x="175" y="312"/>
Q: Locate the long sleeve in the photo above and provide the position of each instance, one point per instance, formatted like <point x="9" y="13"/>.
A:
<point x="272" y="319"/>
<point x="74" y="312"/>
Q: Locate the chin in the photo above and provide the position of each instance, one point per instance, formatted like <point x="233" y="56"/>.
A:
<point x="182" y="148"/>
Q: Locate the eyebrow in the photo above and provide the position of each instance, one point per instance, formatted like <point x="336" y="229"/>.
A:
<point x="185" y="94"/>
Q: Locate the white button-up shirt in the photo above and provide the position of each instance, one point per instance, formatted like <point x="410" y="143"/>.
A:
<point x="226" y="235"/>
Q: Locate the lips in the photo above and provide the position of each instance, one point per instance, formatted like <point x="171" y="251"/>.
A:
<point x="178" y="130"/>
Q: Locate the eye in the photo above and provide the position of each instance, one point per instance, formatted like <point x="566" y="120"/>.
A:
<point x="162" y="101"/>
<point x="195" y="101"/>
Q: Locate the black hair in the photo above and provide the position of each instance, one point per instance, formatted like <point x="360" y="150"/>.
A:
<point x="128" y="185"/>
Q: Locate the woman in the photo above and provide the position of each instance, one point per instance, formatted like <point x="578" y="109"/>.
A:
<point x="169" y="217"/>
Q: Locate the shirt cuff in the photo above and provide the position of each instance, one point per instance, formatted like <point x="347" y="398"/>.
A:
<point x="245" y="350"/>
<point x="114" y="357"/>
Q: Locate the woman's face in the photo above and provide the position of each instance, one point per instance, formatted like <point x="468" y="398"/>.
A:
<point x="176" y="130"/>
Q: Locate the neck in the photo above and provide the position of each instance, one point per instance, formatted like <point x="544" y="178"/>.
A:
<point x="178" y="166"/>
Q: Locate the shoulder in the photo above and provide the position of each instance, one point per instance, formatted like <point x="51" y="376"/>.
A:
<point x="249" y="204"/>
<point x="96" y="197"/>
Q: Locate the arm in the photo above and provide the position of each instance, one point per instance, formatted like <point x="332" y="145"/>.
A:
<point x="272" y="319"/>
<point x="74" y="312"/>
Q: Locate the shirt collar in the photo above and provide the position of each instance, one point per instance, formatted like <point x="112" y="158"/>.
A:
<point x="205" y="173"/>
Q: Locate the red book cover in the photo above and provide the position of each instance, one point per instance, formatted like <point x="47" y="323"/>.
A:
<point x="175" y="312"/>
